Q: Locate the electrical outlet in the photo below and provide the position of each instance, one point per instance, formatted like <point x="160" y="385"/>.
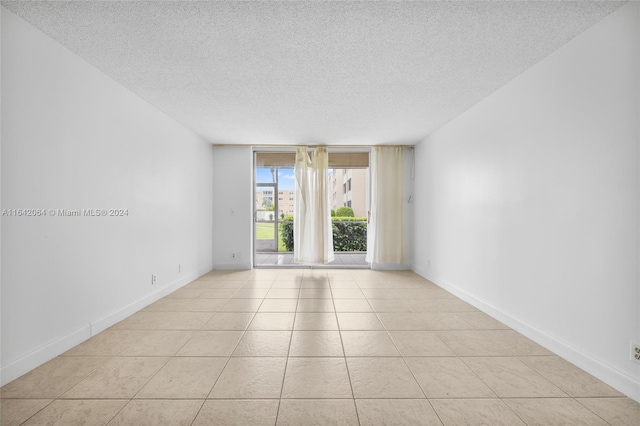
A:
<point x="635" y="351"/>
<point x="233" y="255"/>
<point x="154" y="279"/>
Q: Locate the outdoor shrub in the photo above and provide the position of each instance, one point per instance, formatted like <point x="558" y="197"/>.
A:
<point x="286" y="231"/>
<point x="349" y="233"/>
<point x="333" y="212"/>
<point x="344" y="212"/>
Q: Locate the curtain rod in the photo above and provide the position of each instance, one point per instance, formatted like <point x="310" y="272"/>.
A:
<point x="308" y="146"/>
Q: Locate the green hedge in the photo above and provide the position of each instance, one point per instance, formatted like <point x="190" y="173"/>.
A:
<point x="345" y="212"/>
<point x="286" y="232"/>
<point x="347" y="235"/>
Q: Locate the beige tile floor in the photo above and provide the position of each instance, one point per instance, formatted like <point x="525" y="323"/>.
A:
<point x="310" y="346"/>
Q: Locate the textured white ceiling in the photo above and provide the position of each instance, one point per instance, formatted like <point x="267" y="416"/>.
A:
<point x="312" y="72"/>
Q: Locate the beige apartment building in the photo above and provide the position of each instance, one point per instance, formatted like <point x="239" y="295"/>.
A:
<point x="285" y="202"/>
<point x="265" y="198"/>
<point x="348" y="188"/>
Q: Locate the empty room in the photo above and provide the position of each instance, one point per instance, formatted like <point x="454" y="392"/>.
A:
<point x="320" y="213"/>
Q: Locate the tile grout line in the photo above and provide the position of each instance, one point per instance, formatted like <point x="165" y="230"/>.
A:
<point x="225" y="365"/>
<point x="223" y="368"/>
<point x="141" y="387"/>
<point x="333" y="301"/>
<point x="408" y="367"/>
<point x="387" y="332"/>
<point x="286" y="364"/>
<point x="58" y="398"/>
<point x="460" y="358"/>
<point x="36" y="413"/>
<point x="591" y="411"/>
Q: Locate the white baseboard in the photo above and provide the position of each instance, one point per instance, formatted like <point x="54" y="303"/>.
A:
<point x="38" y="357"/>
<point x="115" y="317"/>
<point x="46" y="353"/>
<point x="623" y="383"/>
<point x="233" y="266"/>
<point x="391" y="266"/>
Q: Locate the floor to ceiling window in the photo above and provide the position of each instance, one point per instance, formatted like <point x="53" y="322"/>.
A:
<point x="274" y="201"/>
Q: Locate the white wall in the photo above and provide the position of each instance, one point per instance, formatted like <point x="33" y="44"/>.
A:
<point x="233" y="210"/>
<point x="0" y="202"/>
<point x="72" y="138"/>
<point x="527" y="205"/>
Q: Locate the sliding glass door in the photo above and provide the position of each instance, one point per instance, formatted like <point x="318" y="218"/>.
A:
<point x="265" y="217"/>
<point x="273" y="208"/>
<point x="274" y="193"/>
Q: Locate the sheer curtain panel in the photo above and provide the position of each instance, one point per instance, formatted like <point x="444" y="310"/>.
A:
<point x="312" y="228"/>
<point x="385" y="233"/>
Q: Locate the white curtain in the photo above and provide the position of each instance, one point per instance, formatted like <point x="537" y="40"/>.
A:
<point x="385" y="233"/>
<point x="312" y="228"/>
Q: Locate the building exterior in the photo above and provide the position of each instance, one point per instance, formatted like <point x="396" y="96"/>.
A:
<point x="349" y="188"/>
<point x="265" y="198"/>
<point x="285" y="202"/>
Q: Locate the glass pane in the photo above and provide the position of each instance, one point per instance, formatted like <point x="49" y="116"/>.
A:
<point x="286" y="192"/>
<point x="265" y="218"/>
<point x="266" y="175"/>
